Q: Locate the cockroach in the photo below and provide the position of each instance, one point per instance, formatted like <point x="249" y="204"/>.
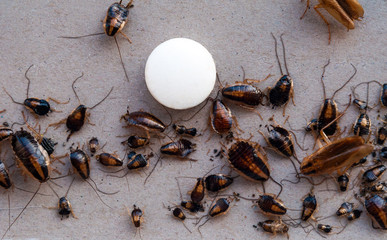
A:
<point x="377" y="208"/>
<point x="383" y="154"/>
<point x="80" y="161"/>
<point x="380" y="187"/>
<point x="271" y="205"/>
<point x="336" y="156"/>
<point x="274" y="227"/>
<point x="249" y="161"/>
<point x="114" y="21"/>
<point x="39" y="107"/>
<point x="343" y="181"/>
<point x="197" y="194"/>
<point x="345" y="209"/>
<point x="139" y="161"/>
<point x="110" y="160"/>
<point x="5" y="133"/>
<point x="76" y="119"/>
<point x="182" y="130"/>
<point x="362" y="105"/>
<point x="31" y="156"/>
<point x="145" y="121"/>
<point x="179" y="214"/>
<point x="192" y="207"/>
<point x="362" y="125"/>
<point x="312" y="125"/>
<point x="309" y="206"/>
<point x="137" y="217"/>
<point x="329" y="111"/>
<point x="244" y="93"/>
<point x="344" y="11"/>
<point x="381" y="137"/>
<point x="221" y="119"/>
<point x="355" y="214"/>
<point x="135" y="141"/>
<point x="64" y="205"/>
<point x="220" y="207"/>
<point x="93" y="145"/>
<point x="282" y="90"/>
<point x="5" y="180"/>
<point x="280" y="140"/>
<point x="373" y="174"/>
<point x="325" y="228"/>
<point x="181" y="148"/>
<point x="217" y="182"/>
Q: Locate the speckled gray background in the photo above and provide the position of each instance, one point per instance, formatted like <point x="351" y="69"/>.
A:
<point x="237" y="33"/>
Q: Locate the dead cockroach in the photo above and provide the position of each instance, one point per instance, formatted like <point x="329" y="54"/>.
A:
<point x="355" y="214"/>
<point x="221" y="119"/>
<point x="77" y="117"/>
<point x="192" y="207"/>
<point x="249" y="161"/>
<point x="244" y="93"/>
<point x="114" y="21"/>
<point x="383" y="154"/>
<point x="181" y="148"/>
<point x="137" y="217"/>
<point x="271" y="205"/>
<point x="362" y="125"/>
<point x="329" y="111"/>
<point x="135" y="141"/>
<point x="64" y="205"/>
<point x="362" y="105"/>
<point x="282" y="90"/>
<point x="381" y="137"/>
<point x="182" y="130"/>
<point x="325" y="228"/>
<point x="309" y="206"/>
<point x="139" y="161"/>
<point x="374" y="173"/>
<point x="80" y="161"/>
<point x="93" y="145"/>
<point x="37" y="106"/>
<point x="145" y="121"/>
<point x="377" y="208"/>
<point x="220" y="207"/>
<point x="344" y="11"/>
<point x="5" y="133"/>
<point x="5" y="180"/>
<point x="179" y="214"/>
<point x="343" y="181"/>
<point x="197" y="193"/>
<point x="274" y="227"/>
<point x="217" y="182"/>
<point x="110" y="160"/>
<point x="345" y="209"/>
<point x="380" y="187"/>
<point x="335" y="156"/>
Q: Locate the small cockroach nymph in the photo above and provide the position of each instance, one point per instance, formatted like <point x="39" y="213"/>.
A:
<point x="343" y="181"/>
<point x="377" y="209"/>
<point x="362" y="125"/>
<point x="282" y="91"/>
<point x="383" y="154"/>
<point x="270" y="205"/>
<point x="64" y="206"/>
<point x="137" y="217"/>
<point x="309" y="206"/>
<point x="218" y="182"/>
<point x="135" y="141"/>
<point x="109" y="159"/>
<point x="379" y="187"/>
<point x="220" y="207"/>
<point x="329" y="111"/>
<point x="182" y="130"/>
<point x="325" y="228"/>
<point x="192" y="206"/>
<point x="138" y="161"/>
<point x="93" y="145"/>
<point x="355" y="214"/>
<point x="274" y="227"/>
<point x="381" y="136"/>
<point x="39" y="107"/>
<point x="80" y="161"/>
<point x="344" y="11"/>
<point x="179" y="214"/>
<point x="345" y="209"/>
<point x="221" y="118"/>
<point x="5" y="133"/>
<point x="373" y="173"/>
<point x="75" y="121"/>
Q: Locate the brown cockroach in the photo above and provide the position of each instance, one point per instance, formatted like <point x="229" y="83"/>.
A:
<point x="274" y="227"/>
<point x="344" y="11"/>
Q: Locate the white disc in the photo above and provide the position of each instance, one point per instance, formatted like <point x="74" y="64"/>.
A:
<point x="180" y="73"/>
